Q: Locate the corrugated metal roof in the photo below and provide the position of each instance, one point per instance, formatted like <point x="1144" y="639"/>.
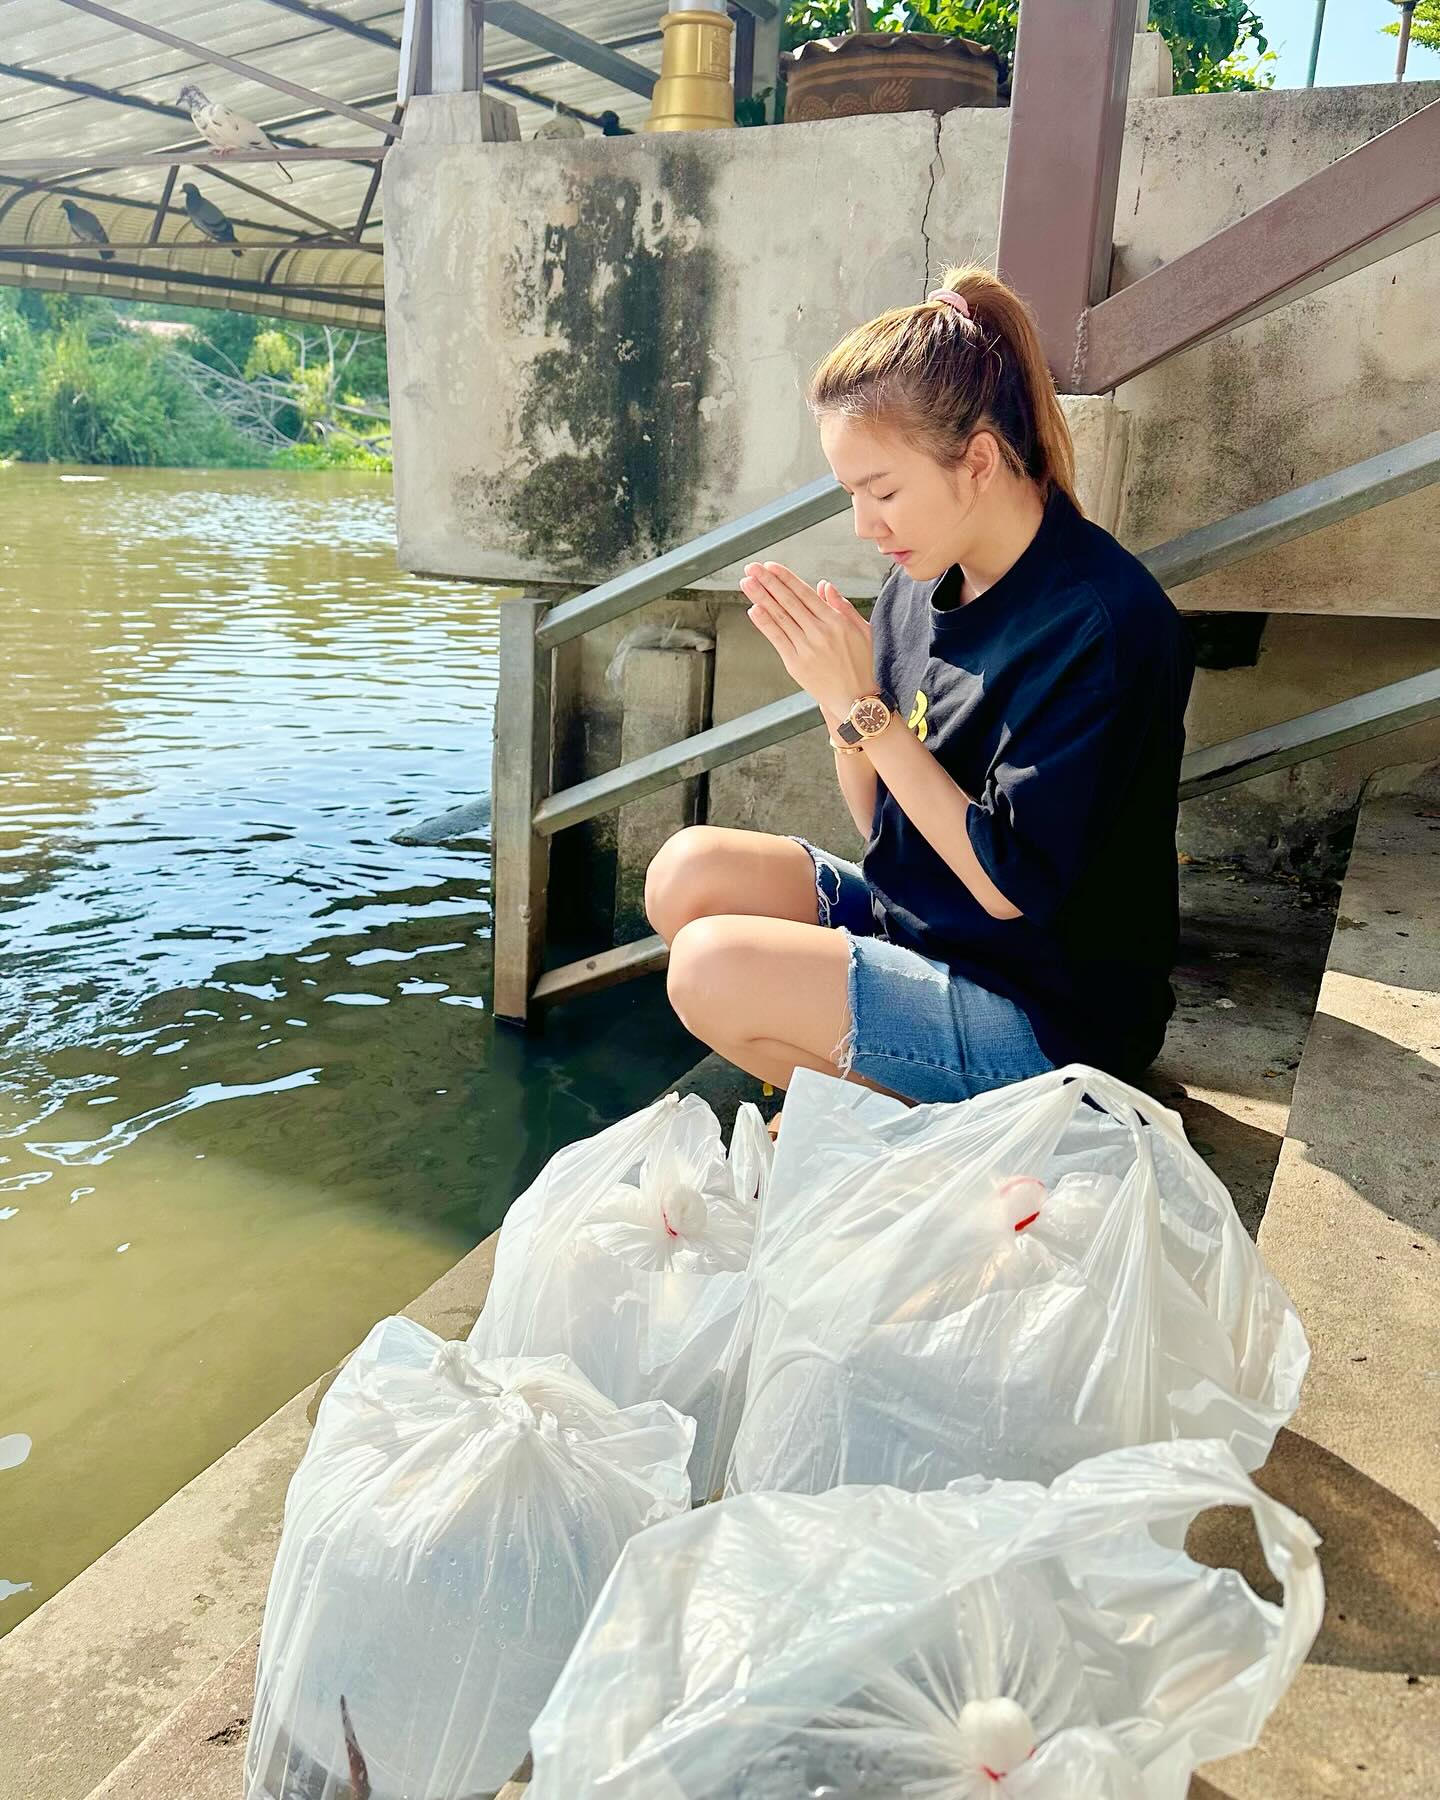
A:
<point x="52" y="55"/>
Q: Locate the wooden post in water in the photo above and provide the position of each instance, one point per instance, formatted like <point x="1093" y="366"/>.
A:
<point x="524" y="736"/>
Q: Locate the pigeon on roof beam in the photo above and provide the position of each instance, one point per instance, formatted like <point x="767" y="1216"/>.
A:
<point x="562" y="125"/>
<point x="208" y="218"/>
<point x="223" y="129"/>
<point x="87" y="227"/>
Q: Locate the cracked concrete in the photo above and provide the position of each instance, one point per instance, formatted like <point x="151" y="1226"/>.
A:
<point x="937" y="169"/>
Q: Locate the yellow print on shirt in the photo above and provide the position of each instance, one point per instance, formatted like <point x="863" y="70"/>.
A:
<point x="917" y="721"/>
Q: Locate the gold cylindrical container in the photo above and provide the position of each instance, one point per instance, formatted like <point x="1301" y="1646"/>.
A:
<point x="694" y="92"/>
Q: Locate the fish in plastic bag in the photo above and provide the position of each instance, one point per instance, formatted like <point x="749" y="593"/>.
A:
<point x="629" y="1254"/>
<point x="990" y="1641"/>
<point x="1001" y="1287"/>
<point x="445" y="1536"/>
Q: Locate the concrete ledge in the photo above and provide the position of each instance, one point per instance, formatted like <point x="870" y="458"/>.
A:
<point x="91" y="1675"/>
<point x="1351" y="1229"/>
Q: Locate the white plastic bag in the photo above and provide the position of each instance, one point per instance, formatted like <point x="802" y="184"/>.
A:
<point x="445" y="1536"/>
<point x="1002" y="1288"/>
<point x="629" y="1255"/>
<point x="988" y="1642"/>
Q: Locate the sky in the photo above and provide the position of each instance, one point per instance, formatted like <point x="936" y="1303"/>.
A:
<point x="1352" y="48"/>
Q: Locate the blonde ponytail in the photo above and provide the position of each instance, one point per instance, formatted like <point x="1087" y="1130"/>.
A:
<point x="938" y="376"/>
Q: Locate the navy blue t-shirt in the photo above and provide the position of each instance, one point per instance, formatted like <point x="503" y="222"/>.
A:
<point x="1056" y="700"/>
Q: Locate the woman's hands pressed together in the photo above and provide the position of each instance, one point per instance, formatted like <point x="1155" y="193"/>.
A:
<point x="818" y="635"/>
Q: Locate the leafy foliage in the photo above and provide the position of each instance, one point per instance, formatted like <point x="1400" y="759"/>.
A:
<point x="85" y="380"/>
<point x="1424" y="25"/>
<point x="1209" y="39"/>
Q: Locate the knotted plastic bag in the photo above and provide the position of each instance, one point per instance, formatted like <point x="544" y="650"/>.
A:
<point x="629" y="1254"/>
<point x="1002" y="1288"/>
<point x="445" y="1536"/>
<point x="992" y="1641"/>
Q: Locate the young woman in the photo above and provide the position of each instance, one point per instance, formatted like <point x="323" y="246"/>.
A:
<point x="1007" y="733"/>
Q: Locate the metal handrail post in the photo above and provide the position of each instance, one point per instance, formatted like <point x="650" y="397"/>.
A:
<point x="524" y="751"/>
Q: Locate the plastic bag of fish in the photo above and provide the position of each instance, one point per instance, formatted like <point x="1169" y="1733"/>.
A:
<point x="1003" y="1288"/>
<point x="629" y="1254"/>
<point x="446" y="1534"/>
<point x="991" y="1638"/>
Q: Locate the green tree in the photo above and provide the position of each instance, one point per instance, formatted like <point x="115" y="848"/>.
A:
<point x="1424" y="25"/>
<point x="82" y="389"/>
<point x="1209" y="39"/>
<point x="79" y="383"/>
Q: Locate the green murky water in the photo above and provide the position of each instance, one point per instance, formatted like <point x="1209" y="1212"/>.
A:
<point x="250" y="1094"/>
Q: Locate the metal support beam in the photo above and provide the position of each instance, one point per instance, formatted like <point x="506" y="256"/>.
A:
<point x="232" y="63"/>
<point x="335" y="295"/>
<point x="90" y="90"/>
<point x="456" y="53"/>
<point x="764" y="10"/>
<point x="21" y="166"/>
<point x="1367" y="205"/>
<point x="276" y="200"/>
<point x="191" y="247"/>
<point x="372" y="187"/>
<point x="160" y="211"/>
<point x="1331" y="728"/>
<point x="757" y="530"/>
<point x="524" y="735"/>
<point x="547" y="34"/>
<point x="692" y="756"/>
<point x="1393" y="473"/>
<point x="591" y="974"/>
<point x="1062" y="168"/>
<point x="322" y="15"/>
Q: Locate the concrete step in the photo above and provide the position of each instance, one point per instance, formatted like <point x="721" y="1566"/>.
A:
<point x="1351" y="1229"/>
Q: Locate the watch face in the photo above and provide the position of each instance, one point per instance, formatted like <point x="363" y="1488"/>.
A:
<point x="870" y="715"/>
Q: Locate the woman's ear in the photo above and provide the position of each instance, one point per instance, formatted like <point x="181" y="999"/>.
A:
<point x="983" y="459"/>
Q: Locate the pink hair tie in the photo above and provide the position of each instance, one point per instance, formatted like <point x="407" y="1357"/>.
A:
<point x="958" y="301"/>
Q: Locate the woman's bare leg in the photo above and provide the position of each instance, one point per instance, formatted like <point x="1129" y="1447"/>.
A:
<point x="752" y="972"/>
<point x="771" y="995"/>
<point x="705" y="871"/>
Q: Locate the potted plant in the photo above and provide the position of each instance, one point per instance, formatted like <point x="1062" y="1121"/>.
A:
<point x="897" y="70"/>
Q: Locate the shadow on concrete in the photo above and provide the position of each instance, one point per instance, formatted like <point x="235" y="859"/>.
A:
<point x="1242" y="1155"/>
<point x="1380" y="1558"/>
<point x="1369" y="1079"/>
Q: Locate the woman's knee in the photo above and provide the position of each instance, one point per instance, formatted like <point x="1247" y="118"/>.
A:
<point x="681" y="884"/>
<point x="701" y="974"/>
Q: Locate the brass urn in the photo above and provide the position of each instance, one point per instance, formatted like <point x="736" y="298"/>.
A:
<point x="694" y="92"/>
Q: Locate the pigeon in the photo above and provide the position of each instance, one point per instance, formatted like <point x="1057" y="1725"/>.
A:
<point x="87" y="227"/>
<point x="223" y="129"/>
<point x="610" y="125"/>
<point x="209" y="219"/>
<point x="561" y="126"/>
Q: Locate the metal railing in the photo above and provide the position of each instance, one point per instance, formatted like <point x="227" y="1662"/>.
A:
<point x="526" y="814"/>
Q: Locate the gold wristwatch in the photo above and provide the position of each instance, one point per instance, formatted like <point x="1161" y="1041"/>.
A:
<point x="867" y="718"/>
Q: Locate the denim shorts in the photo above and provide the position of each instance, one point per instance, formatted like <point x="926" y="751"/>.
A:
<point x="916" y="1027"/>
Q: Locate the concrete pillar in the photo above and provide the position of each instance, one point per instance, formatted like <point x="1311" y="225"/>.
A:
<point x="1152" y="68"/>
<point x="1100" y="431"/>
<point x="667" y="697"/>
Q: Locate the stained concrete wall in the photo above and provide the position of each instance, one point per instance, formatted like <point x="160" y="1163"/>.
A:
<point x="599" y="348"/>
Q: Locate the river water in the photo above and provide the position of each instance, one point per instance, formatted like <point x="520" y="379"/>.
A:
<point x="250" y="1094"/>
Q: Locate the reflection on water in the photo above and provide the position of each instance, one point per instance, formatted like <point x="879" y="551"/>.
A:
<point x="250" y="1096"/>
